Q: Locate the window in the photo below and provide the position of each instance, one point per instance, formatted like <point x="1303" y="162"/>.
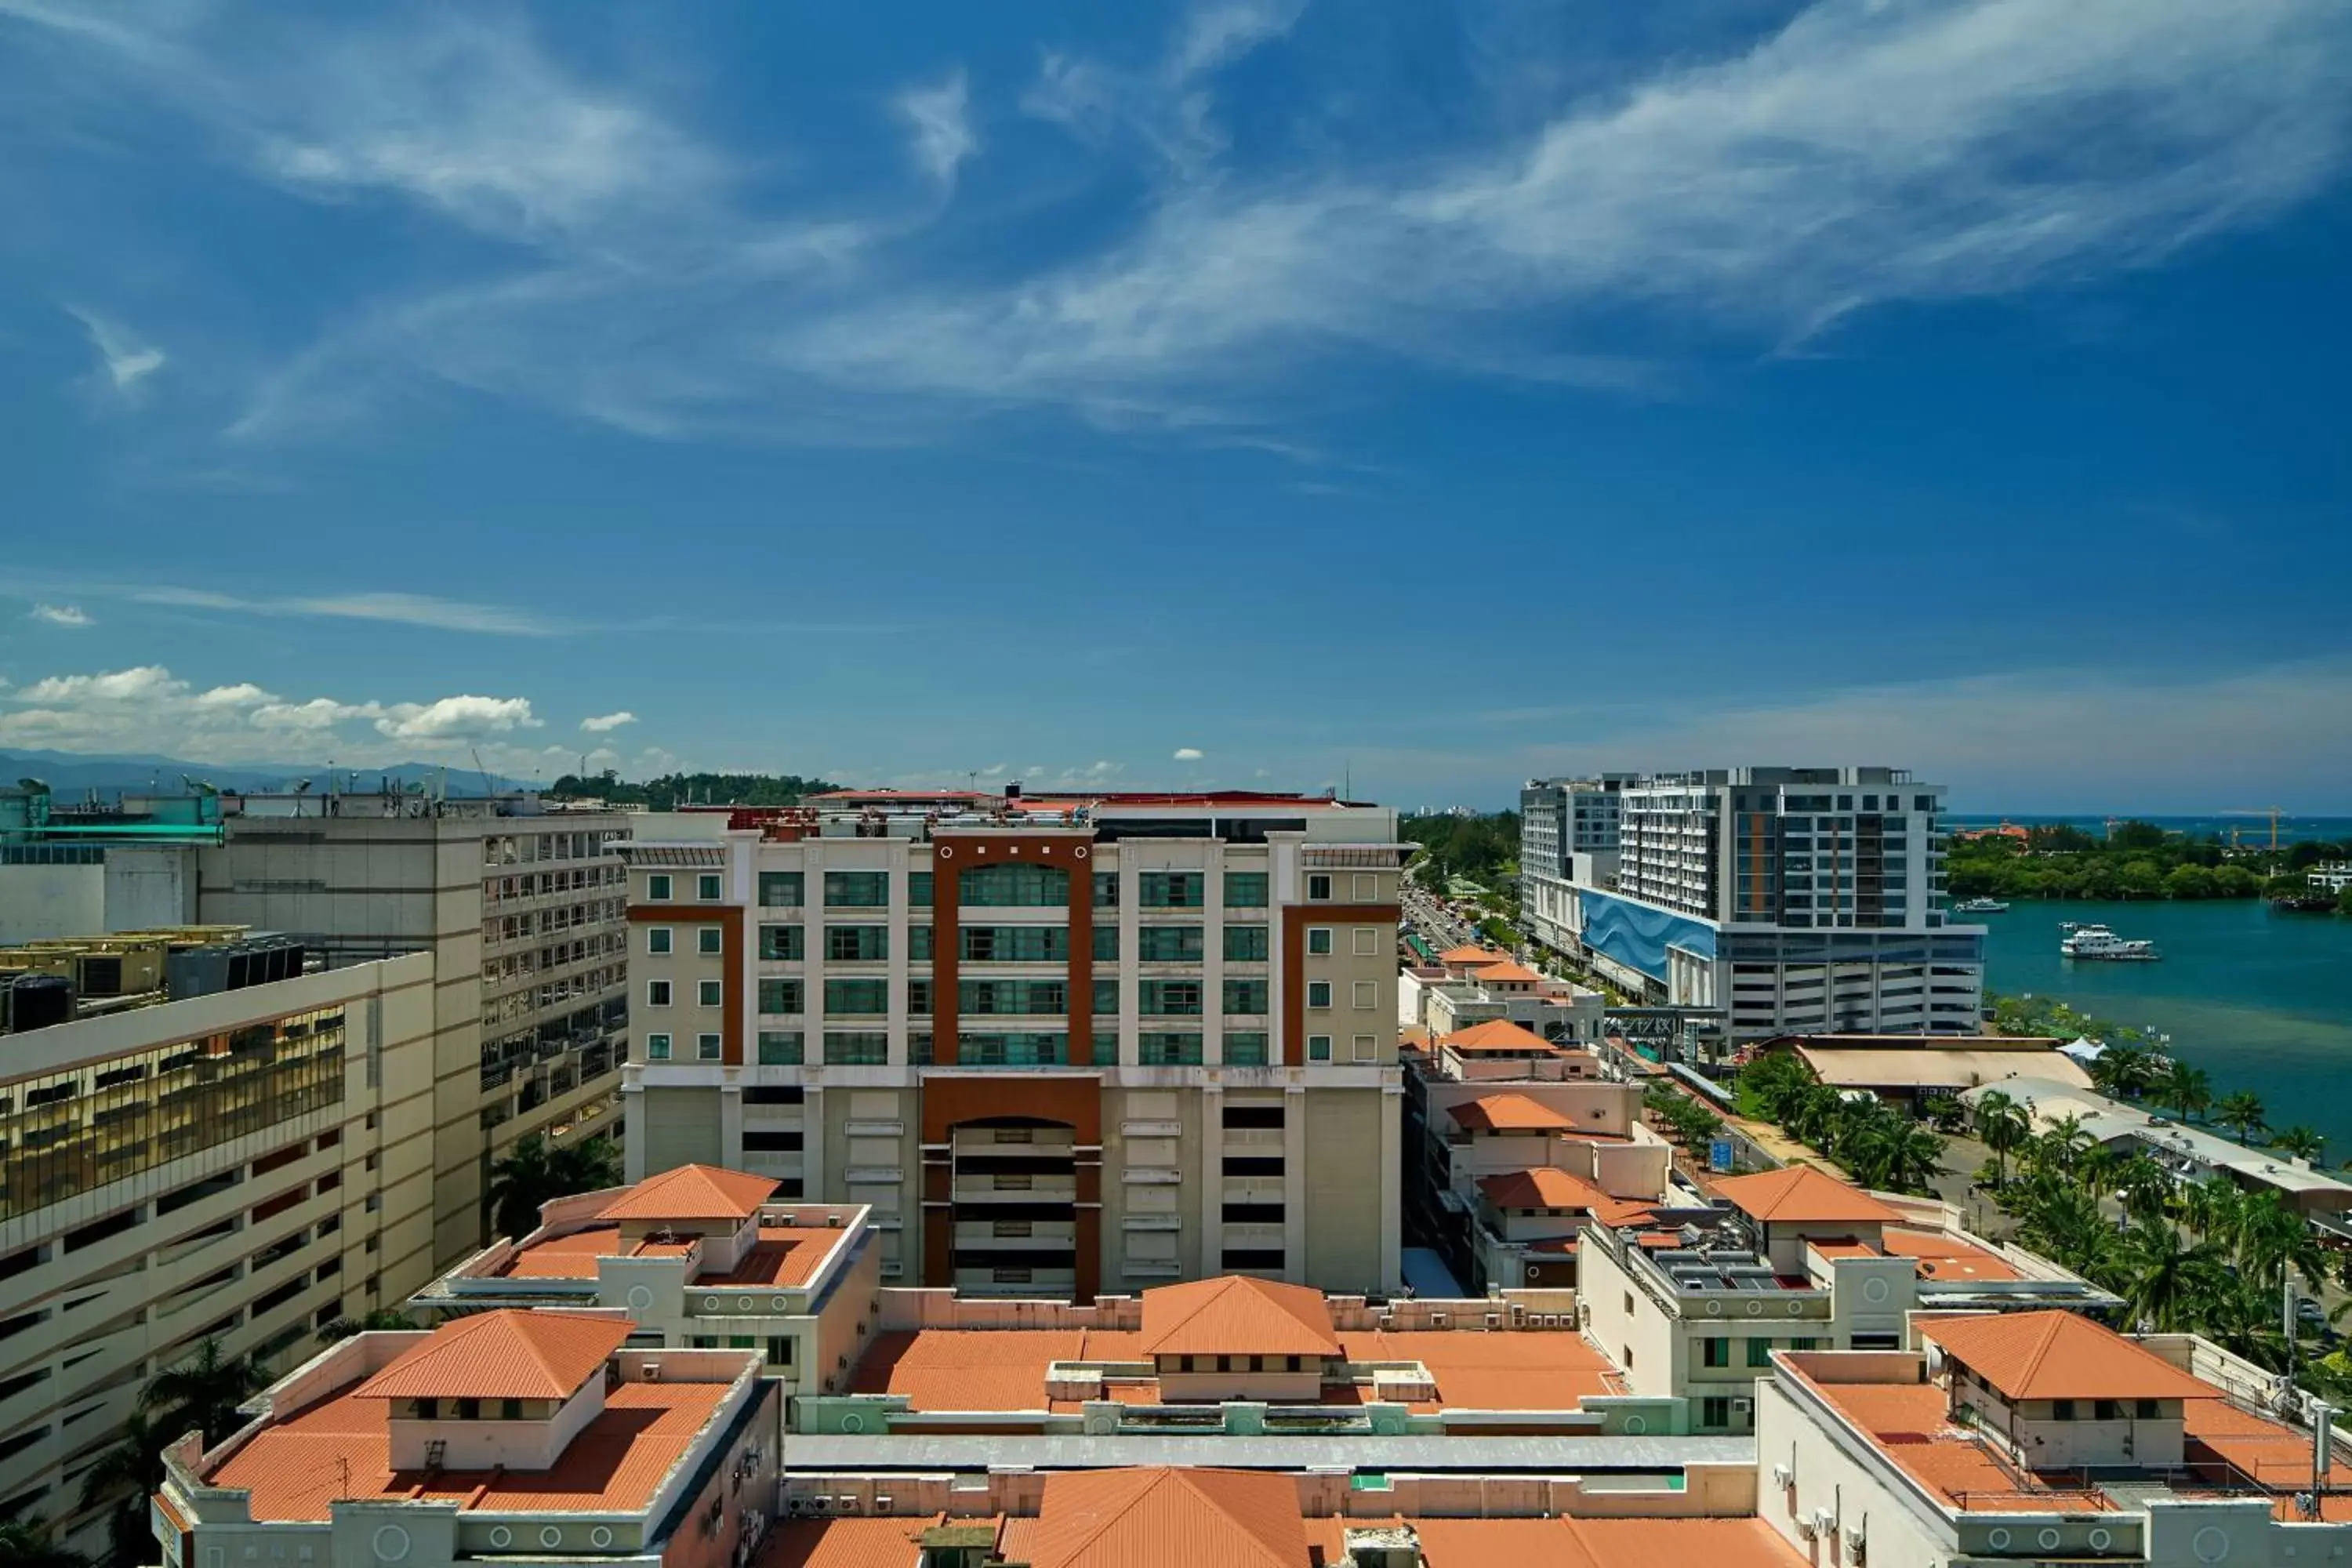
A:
<point x="783" y="996"/>
<point x="1257" y="1116"/>
<point x="706" y="1047"/>
<point x="775" y="1143"/>
<point x="1245" y="1049"/>
<point x="1367" y="993"/>
<point x="658" y="940"/>
<point x="780" y="1350"/>
<point x="856" y="890"/>
<point x="1252" y="1258"/>
<point x="657" y="887"/>
<point x="656" y="993"/>
<point x="1368" y="942"/>
<point x="1171" y="890"/>
<point x="1245" y="996"/>
<point x="1029" y="887"/>
<point x="1106" y="996"/>
<point x="859" y="1047"/>
<point x="918" y="998"/>
<point x="1168" y="1050"/>
<point x="1106" y="890"/>
<point x="1106" y="942"/>
<point x="918" y="944"/>
<point x="1169" y="944"/>
<point x="2106" y="1410"/>
<point x="1014" y="944"/>
<point x="1714" y="1411"/>
<point x="783" y="942"/>
<point x="1365" y="1048"/>
<point x="711" y="992"/>
<point x="1759" y="1352"/>
<point x="1319" y="1048"/>
<point x="918" y="888"/>
<point x="1245" y="945"/>
<point x="2062" y="1410"/>
<point x="856" y="945"/>
<point x="1319" y="941"/>
<point x="781" y="889"/>
<point x="706" y="887"/>
<point x="1319" y="994"/>
<point x="1318" y="887"/>
<point x="1244" y="890"/>
<point x="1015" y="1049"/>
<point x="982" y="997"/>
<point x="1715" y="1352"/>
<point x="856" y="998"/>
<point x="779" y="1048"/>
<point x="709" y="941"/>
<point x="1169" y="998"/>
<point x="657" y="1047"/>
<point x="2147" y="1409"/>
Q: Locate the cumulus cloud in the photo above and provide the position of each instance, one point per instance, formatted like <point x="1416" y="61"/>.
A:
<point x="1187" y="754"/>
<point x="604" y="723"/>
<point x="61" y="616"/>
<point x="148" y="708"/>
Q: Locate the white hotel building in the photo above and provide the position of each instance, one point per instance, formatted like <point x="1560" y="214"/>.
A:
<point x="1791" y="900"/>
<point x="1057" y="1045"/>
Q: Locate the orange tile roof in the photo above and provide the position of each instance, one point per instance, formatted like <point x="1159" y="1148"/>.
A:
<point x="504" y="1354"/>
<point x="1945" y="1257"/>
<point x="2263" y="1450"/>
<point x="1474" y="956"/>
<point x="2060" y="1355"/>
<point x="784" y="1255"/>
<point x="1508" y="1113"/>
<point x="1844" y="1247"/>
<point x="1799" y="1194"/>
<point x="965" y="1369"/>
<point x="1502" y="1370"/>
<point x="295" y="1467"/>
<point x="1547" y="1188"/>
<point x="1506" y="974"/>
<point x="693" y="1192"/>
<point x="1131" y="1519"/>
<point x="845" y="1542"/>
<point x="1497" y="1034"/>
<point x="1237" y="1314"/>
<point x="571" y="1257"/>
<point x="1912" y="1423"/>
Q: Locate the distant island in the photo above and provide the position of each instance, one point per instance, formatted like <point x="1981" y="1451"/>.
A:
<point x="670" y="791"/>
<point x="2135" y="860"/>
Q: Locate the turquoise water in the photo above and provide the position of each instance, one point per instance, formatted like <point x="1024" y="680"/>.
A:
<point x="2259" y="1000"/>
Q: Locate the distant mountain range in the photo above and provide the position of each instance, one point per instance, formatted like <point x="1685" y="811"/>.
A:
<point x="70" y="775"/>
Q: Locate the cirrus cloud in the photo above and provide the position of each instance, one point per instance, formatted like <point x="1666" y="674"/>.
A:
<point x="605" y="723"/>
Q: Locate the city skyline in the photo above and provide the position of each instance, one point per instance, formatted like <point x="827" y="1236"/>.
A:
<point x="771" y="391"/>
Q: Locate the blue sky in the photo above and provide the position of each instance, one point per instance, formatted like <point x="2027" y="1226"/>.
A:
<point x="1244" y="393"/>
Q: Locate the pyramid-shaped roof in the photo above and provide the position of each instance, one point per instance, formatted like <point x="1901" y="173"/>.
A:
<point x="2060" y="1355"/>
<point x="503" y="1354"/>
<point x="693" y="1192"/>
<point x="1799" y="1194"/>
<point x="1508" y="1113"/>
<point x="1474" y="956"/>
<point x="1237" y="1314"/>
<point x="1497" y="1034"/>
<point x="1145" y="1518"/>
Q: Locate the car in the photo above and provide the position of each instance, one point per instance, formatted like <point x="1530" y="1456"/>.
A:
<point x="2310" y="1312"/>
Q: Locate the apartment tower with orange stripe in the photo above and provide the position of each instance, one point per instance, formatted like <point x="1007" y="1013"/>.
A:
<point x="1061" y="1043"/>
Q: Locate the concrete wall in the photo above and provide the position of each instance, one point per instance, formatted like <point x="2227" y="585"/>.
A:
<point x="1351" y="1137"/>
<point x="677" y="1126"/>
<point x="39" y="902"/>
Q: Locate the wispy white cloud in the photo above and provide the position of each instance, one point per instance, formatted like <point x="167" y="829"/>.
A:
<point x="72" y="615"/>
<point x="1187" y="753"/>
<point x="939" y="117"/>
<point x="125" y="361"/>
<point x="1867" y="152"/>
<point x="604" y="723"/>
<point x="404" y="609"/>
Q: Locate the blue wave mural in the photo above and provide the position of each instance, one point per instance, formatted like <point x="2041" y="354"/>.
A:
<point x="1637" y="935"/>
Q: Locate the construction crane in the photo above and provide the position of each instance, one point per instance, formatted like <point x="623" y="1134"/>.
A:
<point x="2273" y="812"/>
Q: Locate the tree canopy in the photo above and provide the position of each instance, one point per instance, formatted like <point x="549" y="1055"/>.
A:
<point x="672" y="790"/>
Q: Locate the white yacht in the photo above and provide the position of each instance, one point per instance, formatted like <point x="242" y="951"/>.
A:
<point x="1980" y="907"/>
<point x="2098" y="941"/>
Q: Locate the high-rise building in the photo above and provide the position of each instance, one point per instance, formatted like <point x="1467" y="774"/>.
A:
<point x="522" y="909"/>
<point x="1058" y="1045"/>
<point x="182" y="1160"/>
<point x="1780" y="899"/>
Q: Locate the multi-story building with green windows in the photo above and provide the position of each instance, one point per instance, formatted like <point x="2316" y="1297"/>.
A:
<point x="1058" y="1045"/>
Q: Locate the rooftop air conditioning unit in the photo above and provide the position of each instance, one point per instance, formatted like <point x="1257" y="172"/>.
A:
<point x="1783" y="1476"/>
<point x="1743" y="1407"/>
<point x="653" y="1372"/>
<point x="1494" y="1320"/>
<point x="1436" y="1319"/>
<point x="1824" y="1521"/>
<point x="1857" y="1544"/>
<point x="1807" y="1530"/>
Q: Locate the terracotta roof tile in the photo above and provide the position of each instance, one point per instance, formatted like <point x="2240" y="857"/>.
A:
<point x="784" y="1255"/>
<point x="2060" y="1355"/>
<point x="693" y="1192"/>
<point x="1497" y="1034"/>
<point x="1237" y="1314"/>
<point x="844" y="1543"/>
<point x="1502" y="1370"/>
<point x="1912" y="1423"/>
<point x="1130" y="1518"/>
<point x="965" y="1369"/>
<point x="1474" y="956"/>
<point x="1547" y="1188"/>
<point x="503" y="1354"/>
<point x="1942" y="1256"/>
<point x="1799" y="1194"/>
<point x="1508" y="1113"/>
<point x="571" y="1257"/>
<point x="1506" y="974"/>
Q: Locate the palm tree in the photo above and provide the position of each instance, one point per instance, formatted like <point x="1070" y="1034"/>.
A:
<point x="26" y="1543"/>
<point x="129" y="1473"/>
<point x="382" y="1317"/>
<point x="1915" y="1158"/>
<point x="2241" y="1113"/>
<point x="2170" y="1286"/>
<point x="204" y="1391"/>
<point x="532" y="1174"/>
<point x="2127" y="1071"/>
<point x="2148" y="1188"/>
<point x="2301" y="1142"/>
<point x="2184" y="1089"/>
<point x="2002" y="1124"/>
